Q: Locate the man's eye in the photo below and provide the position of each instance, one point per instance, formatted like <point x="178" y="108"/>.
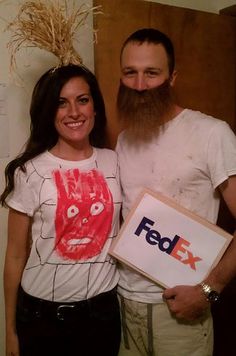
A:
<point x="152" y="74"/>
<point x="129" y="73"/>
<point x="72" y="211"/>
<point x="96" y="208"/>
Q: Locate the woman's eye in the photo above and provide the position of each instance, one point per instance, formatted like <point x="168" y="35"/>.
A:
<point x="61" y="103"/>
<point x="72" y="211"/>
<point x="96" y="208"/>
<point x="84" y="100"/>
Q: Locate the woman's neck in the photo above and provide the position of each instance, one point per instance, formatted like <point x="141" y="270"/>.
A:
<point x="72" y="153"/>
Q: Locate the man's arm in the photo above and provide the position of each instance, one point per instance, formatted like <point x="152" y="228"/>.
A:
<point x="228" y="191"/>
<point x="226" y="269"/>
<point x="189" y="302"/>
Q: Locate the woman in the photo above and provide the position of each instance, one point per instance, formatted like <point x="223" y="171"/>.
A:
<point x="64" y="199"/>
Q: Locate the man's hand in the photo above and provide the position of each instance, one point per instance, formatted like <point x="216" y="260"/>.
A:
<point x="186" y="302"/>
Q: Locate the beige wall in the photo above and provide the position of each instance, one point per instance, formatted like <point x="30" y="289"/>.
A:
<point x="31" y="64"/>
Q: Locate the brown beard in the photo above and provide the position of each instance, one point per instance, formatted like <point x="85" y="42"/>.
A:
<point x="142" y="113"/>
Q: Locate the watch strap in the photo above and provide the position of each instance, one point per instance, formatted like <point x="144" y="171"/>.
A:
<point x="210" y="294"/>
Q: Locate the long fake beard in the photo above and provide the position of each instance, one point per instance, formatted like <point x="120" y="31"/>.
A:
<point x="143" y="113"/>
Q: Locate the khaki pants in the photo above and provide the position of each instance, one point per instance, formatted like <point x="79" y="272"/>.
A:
<point x="150" y="330"/>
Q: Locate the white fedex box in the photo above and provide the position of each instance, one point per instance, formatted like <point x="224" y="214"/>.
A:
<point x="167" y="243"/>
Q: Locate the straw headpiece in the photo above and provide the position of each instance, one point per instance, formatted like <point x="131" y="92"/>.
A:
<point x="50" y="25"/>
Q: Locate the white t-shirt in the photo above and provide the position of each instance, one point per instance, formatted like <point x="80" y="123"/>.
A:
<point x="74" y="207"/>
<point x="189" y="159"/>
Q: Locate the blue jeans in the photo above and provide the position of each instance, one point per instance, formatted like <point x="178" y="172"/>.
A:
<point x="89" y="328"/>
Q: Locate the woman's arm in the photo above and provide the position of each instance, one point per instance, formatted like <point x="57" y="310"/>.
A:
<point x="15" y="260"/>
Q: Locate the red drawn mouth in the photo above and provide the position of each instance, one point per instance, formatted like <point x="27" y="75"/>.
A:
<point x="75" y="242"/>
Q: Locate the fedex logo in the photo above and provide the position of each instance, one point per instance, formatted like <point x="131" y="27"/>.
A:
<point x="176" y="248"/>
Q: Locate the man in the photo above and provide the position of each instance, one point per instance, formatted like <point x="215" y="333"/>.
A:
<point x="189" y="157"/>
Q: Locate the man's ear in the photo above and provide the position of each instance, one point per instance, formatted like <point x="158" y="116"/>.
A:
<point x="173" y="78"/>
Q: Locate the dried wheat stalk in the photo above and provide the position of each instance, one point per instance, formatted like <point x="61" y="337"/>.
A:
<point x="50" y="25"/>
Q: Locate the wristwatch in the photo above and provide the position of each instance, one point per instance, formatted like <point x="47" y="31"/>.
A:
<point x="211" y="295"/>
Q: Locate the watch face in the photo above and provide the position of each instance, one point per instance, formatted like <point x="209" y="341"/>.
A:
<point x="213" y="296"/>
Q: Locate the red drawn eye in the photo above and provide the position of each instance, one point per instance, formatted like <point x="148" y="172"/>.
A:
<point x="96" y="208"/>
<point x="72" y="211"/>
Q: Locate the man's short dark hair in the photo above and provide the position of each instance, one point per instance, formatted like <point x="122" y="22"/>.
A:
<point x="152" y="35"/>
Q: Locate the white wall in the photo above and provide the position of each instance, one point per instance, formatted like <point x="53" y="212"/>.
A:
<point x="31" y="65"/>
<point x="202" y="5"/>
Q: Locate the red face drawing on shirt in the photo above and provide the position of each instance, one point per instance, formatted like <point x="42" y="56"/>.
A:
<point x="83" y="215"/>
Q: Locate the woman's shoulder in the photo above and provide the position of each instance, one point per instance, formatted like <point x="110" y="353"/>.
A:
<point x="106" y="153"/>
<point x="107" y="160"/>
<point x="38" y="164"/>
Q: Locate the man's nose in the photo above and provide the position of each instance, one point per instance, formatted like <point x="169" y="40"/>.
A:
<point x="140" y="83"/>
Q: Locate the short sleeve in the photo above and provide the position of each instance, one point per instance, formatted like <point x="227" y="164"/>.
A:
<point x="22" y="198"/>
<point x="221" y="153"/>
